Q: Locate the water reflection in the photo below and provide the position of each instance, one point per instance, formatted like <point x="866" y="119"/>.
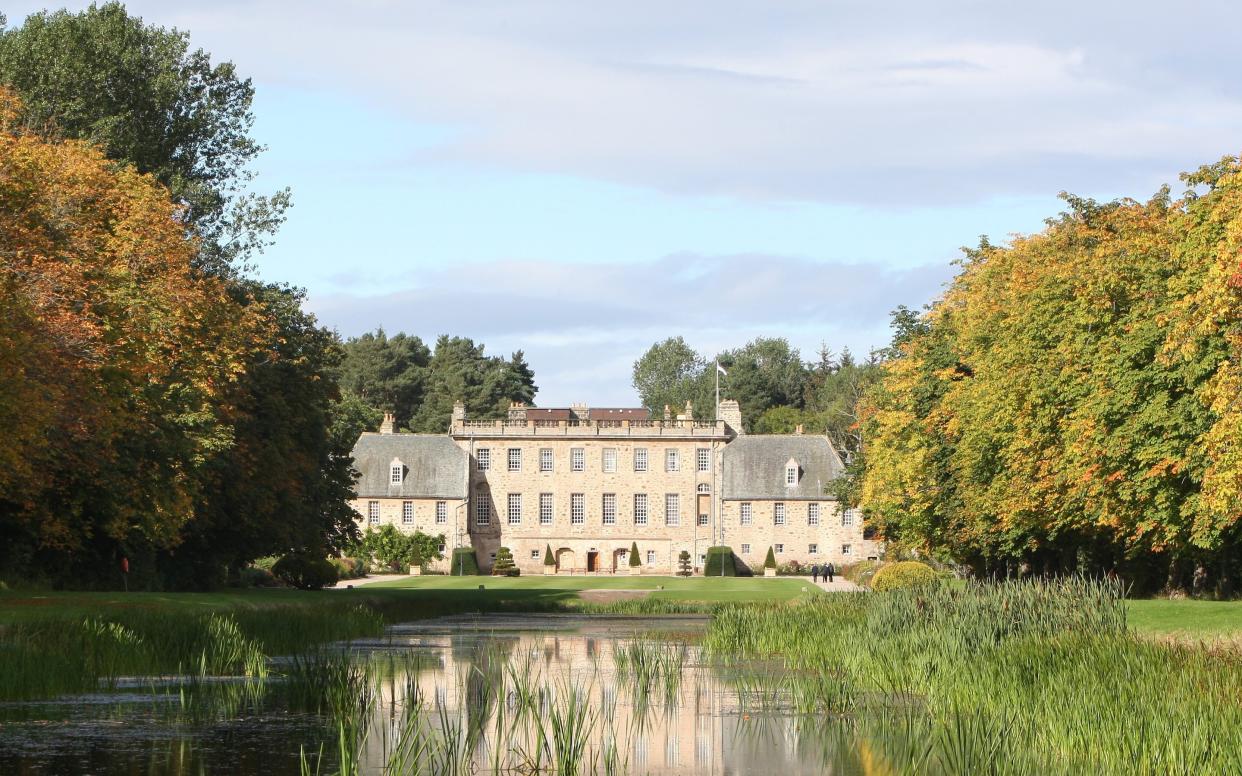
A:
<point x="510" y="694"/>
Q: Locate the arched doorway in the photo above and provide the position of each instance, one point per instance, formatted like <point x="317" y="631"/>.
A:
<point x="564" y="560"/>
<point x="620" y="559"/>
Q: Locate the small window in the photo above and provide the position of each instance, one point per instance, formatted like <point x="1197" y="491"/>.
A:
<point x="640" y="509"/>
<point x="545" y="509"/>
<point x="847" y="518"/>
<point x="545" y="459"/>
<point x="812" y="514"/>
<point x="672" y="460"/>
<point x="577" y="459"/>
<point x="702" y="559"/>
<point x="515" y="459"/>
<point x="610" y="508"/>
<point x="610" y="459"/>
<point x="791" y="475"/>
<point x="640" y="459"/>
<point x="441" y="512"/>
<point x="577" y="508"/>
<point x="483" y="457"/>
<point x="534" y="554"/>
<point x="745" y="513"/>
<point x="672" y="509"/>
<point x="703" y="459"/>
<point x="745" y="548"/>
<point x="778" y="514"/>
<point x="847" y="549"/>
<point x="702" y="519"/>
<point x="407" y="513"/>
<point x="703" y="487"/>
<point x="397" y="471"/>
<point x="373" y="513"/>
<point x="515" y="509"/>
<point x="780" y="549"/>
<point x="651" y="557"/>
<point x="812" y="549"/>
<point x="482" y="511"/>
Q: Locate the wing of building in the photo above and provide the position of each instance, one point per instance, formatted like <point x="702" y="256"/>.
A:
<point x="589" y="484"/>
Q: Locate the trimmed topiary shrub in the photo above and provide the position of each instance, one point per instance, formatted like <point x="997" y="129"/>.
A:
<point x="305" y="571"/>
<point x="635" y="561"/>
<point x="902" y="575"/>
<point x="720" y="562"/>
<point x="548" y="558"/>
<point x="683" y="564"/>
<point x="503" y="563"/>
<point x="770" y="561"/>
<point x="464" y="563"/>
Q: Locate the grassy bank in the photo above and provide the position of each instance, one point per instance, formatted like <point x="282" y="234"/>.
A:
<point x="1018" y="678"/>
<point x="567" y="588"/>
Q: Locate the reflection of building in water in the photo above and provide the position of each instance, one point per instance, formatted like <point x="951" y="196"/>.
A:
<point x="588" y="484"/>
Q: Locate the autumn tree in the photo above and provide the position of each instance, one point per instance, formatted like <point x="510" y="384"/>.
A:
<point x="105" y="323"/>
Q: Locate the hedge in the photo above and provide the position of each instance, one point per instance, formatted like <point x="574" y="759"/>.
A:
<point x="464" y="563"/>
<point x="905" y="574"/>
<point x="719" y="558"/>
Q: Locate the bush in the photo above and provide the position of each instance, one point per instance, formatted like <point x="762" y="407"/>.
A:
<point x="548" y="558"/>
<point x="683" y="564"/>
<point x="860" y="573"/>
<point x="253" y="576"/>
<point x="903" y="575"/>
<point x="464" y="563"/>
<point x="791" y="569"/>
<point x="770" y="561"/>
<point x="635" y="561"/>
<point x="503" y="563"/>
<point x="720" y="562"/>
<point x="305" y="571"/>
<point x="349" y="568"/>
<point x="397" y="551"/>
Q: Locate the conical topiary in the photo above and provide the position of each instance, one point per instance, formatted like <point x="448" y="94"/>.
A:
<point x="770" y="561"/>
<point x="635" y="561"/>
<point x="548" y="558"/>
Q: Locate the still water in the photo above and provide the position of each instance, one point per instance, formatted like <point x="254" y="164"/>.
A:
<point x="466" y="694"/>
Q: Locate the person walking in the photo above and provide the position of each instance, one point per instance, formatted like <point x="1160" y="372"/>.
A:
<point x="829" y="571"/>
<point x="815" y="573"/>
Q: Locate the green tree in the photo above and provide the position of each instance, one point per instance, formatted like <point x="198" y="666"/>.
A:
<point x="503" y="565"/>
<point x="764" y="373"/>
<point x="684" y="568"/>
<point x="389" y="374"/>
<point x="460" y="370"/>
<point x="143" y="96"/>
<point x="671" y="373"/>
<point x="635" y="560"/>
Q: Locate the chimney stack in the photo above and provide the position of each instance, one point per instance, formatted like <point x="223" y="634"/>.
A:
<point x="387" y="426"/>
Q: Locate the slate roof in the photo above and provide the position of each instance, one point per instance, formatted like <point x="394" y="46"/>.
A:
<point x="435" y="467"/>
<point x="754" y="467"/>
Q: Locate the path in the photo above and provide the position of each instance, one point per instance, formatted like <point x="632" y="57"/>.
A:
<point x="367" y="580"/>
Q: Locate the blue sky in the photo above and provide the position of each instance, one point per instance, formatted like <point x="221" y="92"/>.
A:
<point x="581" y="179"/>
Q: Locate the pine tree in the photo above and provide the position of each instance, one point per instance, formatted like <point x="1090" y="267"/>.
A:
<point x="770" y="561"/>
<point x="635" y="561"/>
<point x="503" y="565"/>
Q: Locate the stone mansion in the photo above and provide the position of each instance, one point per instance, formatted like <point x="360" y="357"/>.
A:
<point x="590" y="483"/>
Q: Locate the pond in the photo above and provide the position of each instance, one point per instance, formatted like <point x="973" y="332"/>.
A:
<point x="462" y="694"/>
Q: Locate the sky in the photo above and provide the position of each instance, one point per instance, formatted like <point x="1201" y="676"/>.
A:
<point x="579" y="180"/>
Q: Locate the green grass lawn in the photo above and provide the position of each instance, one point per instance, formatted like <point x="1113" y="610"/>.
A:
<point x="442" y="593"/>
<point x="674" y="588"/>
<point x="1160" y="616"/>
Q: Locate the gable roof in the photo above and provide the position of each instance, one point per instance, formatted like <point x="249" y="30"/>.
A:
<point x="754" y="467"/>
<point x="435" y="467"/>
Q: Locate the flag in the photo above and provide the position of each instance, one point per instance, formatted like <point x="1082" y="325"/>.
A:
<point x="721" y="369"/>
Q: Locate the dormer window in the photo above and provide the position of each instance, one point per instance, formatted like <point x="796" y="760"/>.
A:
<point x="791" y="473"/>
<point x="396" y="472"/>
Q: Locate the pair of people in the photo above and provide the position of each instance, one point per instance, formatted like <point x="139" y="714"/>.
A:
<point x="827" y="572"/>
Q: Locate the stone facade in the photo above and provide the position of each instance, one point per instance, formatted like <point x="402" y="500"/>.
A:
<point x="590" y="483"/>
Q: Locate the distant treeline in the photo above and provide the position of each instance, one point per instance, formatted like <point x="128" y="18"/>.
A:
<point x="158" y="406"/>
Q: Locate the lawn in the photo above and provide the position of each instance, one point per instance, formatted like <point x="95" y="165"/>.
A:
<point x="726" y="589"/>
<point x="439" y="593"/>
<point x="1162" y="616"/>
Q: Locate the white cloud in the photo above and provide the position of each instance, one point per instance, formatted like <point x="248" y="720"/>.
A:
<point x="582" y="327"/>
